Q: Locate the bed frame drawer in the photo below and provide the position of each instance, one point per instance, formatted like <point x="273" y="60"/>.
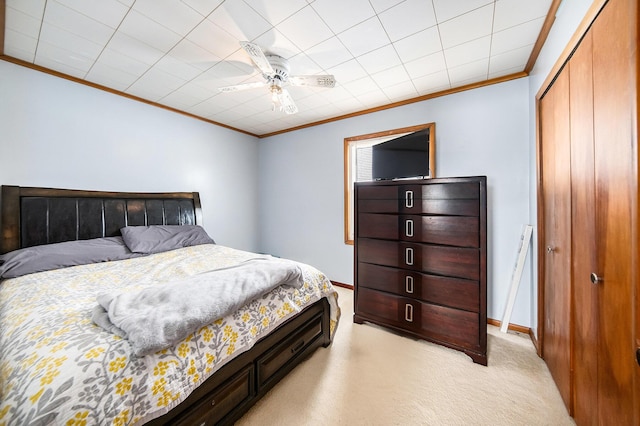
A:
<point x="213" y="409"/>
<point x="278" y="358"/>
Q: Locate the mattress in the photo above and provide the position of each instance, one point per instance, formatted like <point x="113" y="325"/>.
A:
<point x="58" y="367"/>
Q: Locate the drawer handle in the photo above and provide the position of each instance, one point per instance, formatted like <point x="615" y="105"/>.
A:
<point x="408" y="284"/>
<point x="213" y="402"/>
<point x="297" y="347"/>
<point x="408" y="228"/>
<point x="409" y="256"/>
<point x="408" y="199"/>
<point x="408" y="312"/>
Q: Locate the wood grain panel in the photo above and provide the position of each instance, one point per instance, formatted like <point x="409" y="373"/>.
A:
<point x="371" y="225"/>
<point x="555" y="165"/>
<point x="615" y="176"/>
<point x="447" y="291"/>
<point x="584" y="247"/>
<point x="457" y="231"/>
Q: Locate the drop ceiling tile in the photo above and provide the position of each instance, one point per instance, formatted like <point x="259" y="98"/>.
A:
<point x="382" y="5"/>
<point x="107" y="76"/>
<point x="348" y="71"/>
<point x="56" y="65"/>
<point x="373" y="99"/>
<point x="172" y="65"/>
<point x="364" y="37"/>
<point x="505" y="72"/>
<point x="128" y="3"/>
<point x="329" y="53"/>
<point x="117" y="60"/>
<point x="108" y="12"/>
<point x="174" y="15"/>
<point x="77" y="23"/>
<point x="447" y="9"/>
<point x="239" y="20"/>
<point x="274" y="42"/>
<point x="194" y="55"/>
<point x="390" y="77"/>
<point x="209" y="107"/>
<point x="66" y="40"/>
<point x="432" y="83"/>
<point x="191" y="94"/>
<point x="22" y="23"/>
<point x="301" y="64"/>
<point x="305" y="28"/>
<point x="211" y="37"/>
<point x="62" y="58"/>
<point x="426" y="65"/>
<point x="514" y="12"/>
<point x="516" y="37"/>
<point x="351" y="13"/>
<point x="155" y="84"/>
<point x="407" y="18"/>
<point x="398" y="92"/>
<point x="148" y="31"/>
<point x="134" y="48"/>
<point x="276" y="12"/>
<point x="468" y="52"/>
<point x="476" y="71"/>
<point x="418" y="45"/>
<point x="19" y="45"/>
<point x="380" y="59"/>
<point x="337" y="94"/>
<point x="467" y="27"/>
<point x="33" y="8"/>
<point x="203" y="7"/>
<point x="361" y="86"/>
<point x="510" y="59"/>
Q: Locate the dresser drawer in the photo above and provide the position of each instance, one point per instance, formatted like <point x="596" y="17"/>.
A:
<point x="453" y="292"/>
<point x="379" y="206"/>
<point x="461" y="199"/>
<point x="399" y="311"/>
<point x="458" y="231"/>
<point x="440" y="323"/>
<point x="461" y="328"/>
<point x="459" y="262"/>
<point x="230" y="395"/>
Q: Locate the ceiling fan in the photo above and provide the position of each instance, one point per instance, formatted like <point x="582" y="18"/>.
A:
<point x="275" y="71"/>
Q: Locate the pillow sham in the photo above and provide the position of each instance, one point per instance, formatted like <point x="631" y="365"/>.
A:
<point x="62" y="255"/>
<point x="159" y="238"/>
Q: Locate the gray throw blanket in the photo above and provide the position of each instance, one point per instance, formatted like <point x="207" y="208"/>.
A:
<point x="160" y="316"/>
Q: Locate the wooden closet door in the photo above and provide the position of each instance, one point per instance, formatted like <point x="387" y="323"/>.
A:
<point x="584" y="247"/>
<point x="556" y="198"/>
<point x="615" y="188"/>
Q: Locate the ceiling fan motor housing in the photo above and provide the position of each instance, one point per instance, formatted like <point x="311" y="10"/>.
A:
<point x="280" y="68"/>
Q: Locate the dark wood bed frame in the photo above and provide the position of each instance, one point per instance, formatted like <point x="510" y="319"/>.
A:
<point x="32" y="216"/>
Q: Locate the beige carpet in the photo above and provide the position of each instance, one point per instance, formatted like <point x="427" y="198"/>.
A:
<point x="370" y="376"/>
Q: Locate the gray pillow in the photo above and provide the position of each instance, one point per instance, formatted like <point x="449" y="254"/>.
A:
<point x="61" y="255"/>
<point x="159" y="238"/>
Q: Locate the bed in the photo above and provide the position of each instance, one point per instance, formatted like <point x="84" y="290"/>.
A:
<point x="58" y="367"/>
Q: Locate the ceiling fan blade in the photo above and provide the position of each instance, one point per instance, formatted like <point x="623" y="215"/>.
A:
<point x="287" y="103"/>
<point x="257" y="56"/>
<point x="326" y="80"/>
<point x="239" y="87"/>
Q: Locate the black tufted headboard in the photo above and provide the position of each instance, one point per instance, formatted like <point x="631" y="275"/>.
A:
<point x="33" y="216"/>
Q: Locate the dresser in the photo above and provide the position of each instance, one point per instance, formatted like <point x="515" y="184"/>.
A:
<point x="420" y="260"/>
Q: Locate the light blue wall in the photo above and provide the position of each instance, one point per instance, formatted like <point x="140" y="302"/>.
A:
<point x="479" y="132"/>
<point x="57" y="133"/>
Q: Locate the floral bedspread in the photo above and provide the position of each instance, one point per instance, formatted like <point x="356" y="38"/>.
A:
<point x="57" y="367"/>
